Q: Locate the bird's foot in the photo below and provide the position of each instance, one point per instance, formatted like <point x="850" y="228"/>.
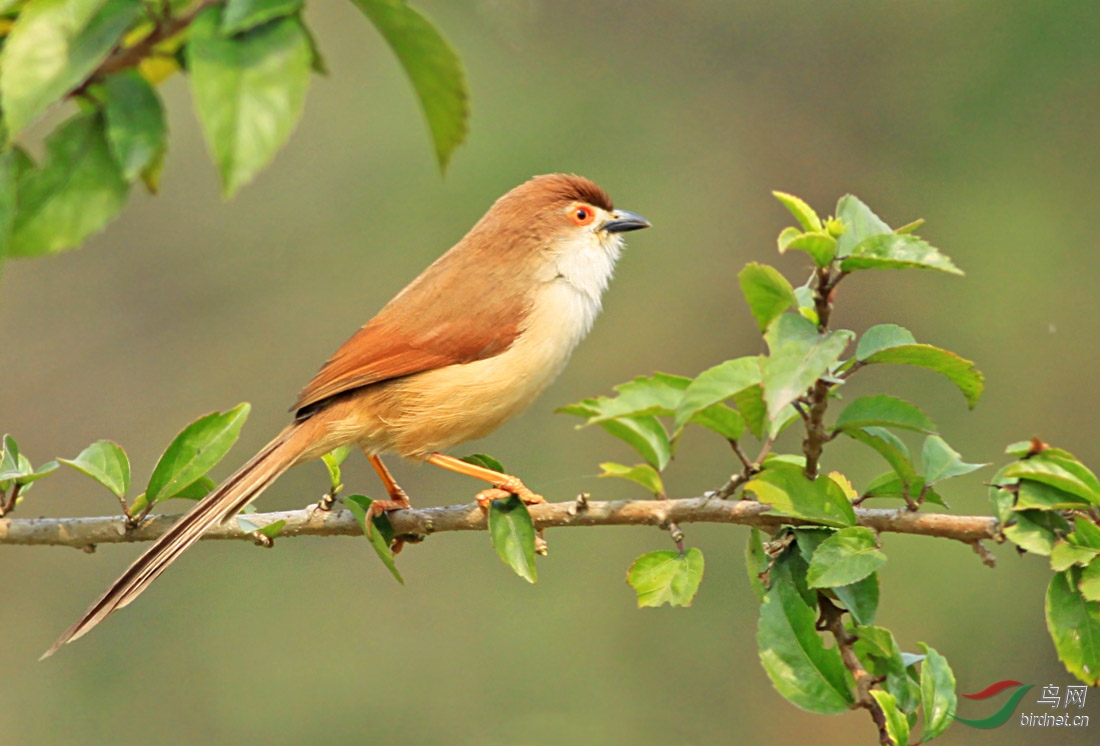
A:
<point x="503" y="492"/>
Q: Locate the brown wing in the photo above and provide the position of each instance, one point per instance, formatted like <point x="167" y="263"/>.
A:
<point x="455" y="312"/>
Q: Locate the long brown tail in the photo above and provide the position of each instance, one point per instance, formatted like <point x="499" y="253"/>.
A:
<point x="244" y="486"/>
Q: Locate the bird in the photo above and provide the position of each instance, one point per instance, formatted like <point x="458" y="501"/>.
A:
<point x="464" y="347"/>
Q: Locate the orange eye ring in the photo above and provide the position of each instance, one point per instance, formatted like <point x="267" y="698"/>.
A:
<point x="582" y="214"/>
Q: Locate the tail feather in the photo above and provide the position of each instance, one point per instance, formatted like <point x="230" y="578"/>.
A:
<point x="244" y="486"/>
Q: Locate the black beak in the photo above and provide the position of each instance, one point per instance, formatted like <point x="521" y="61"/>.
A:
<point x="624" y="221"/>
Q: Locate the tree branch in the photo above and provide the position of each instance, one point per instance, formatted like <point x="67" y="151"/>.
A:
<point x="85" y="533"/>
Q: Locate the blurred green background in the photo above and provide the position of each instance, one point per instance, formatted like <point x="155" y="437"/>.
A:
<point x="980" y="116"/>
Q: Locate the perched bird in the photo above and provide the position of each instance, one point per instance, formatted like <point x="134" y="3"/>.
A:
<point x="464" y="347"/>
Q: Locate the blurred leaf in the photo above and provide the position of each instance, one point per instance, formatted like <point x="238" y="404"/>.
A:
<point x="806" y="305"/>
<point x="642" y="474"/>
<point x="248" y="89"/>
<point x="910" y="227"/>
<point x="937" y="693"/>
<point x="659" y="394"/>
<point x="893" y="251"/>
<point x="333" y="460"/>
<point x="1074" y="625"/>
<point x="883" y="337"/>
<point x="8" y="199"/>
<point x="1066" y="554"/>
<point x="271" y="530"/>
<point x="9" y="463"/>
<point x="788" y="491"/>
<point x="75" y="193"/>
<point x="859" y="223"/>
<point x="53" y="47"/>
<point x="802" y="212"/>
<point x="860" y="598"/>
<point x="890" y="485"/>
<point x="513" y="535"/>
<point x="106" y="463"/>
<point x="940" y="461"/>
<point x="1089" y="584"/>
<point x="1067" y="475"/>
<point x="786" y="236"/>
<point x="1041" y="496"/>
<point x="799" y="356"/>
<point x="877" y="646"/>
<point x="846" y="557"/>
<point x="646" y="435"/>
<point x="886" y="411"/>
<point x="1036" y="531"/>
<point x="897" y="725"/>
<point x="135" y="123"/>
<point x="195" y="451"/>
<point x="819" y="245"/>
<point x="891" y="448"/>
<point x="242" y="15"/>
<point x="800" y="667"/>
<point x="756" y="563"/>
<point x="715" y="385"/>
<point x="1086" y="533"/>
<point x="485" y="461"/>
<point x="766" y="291"/>
<point x="197" y="490"/>
<point x="666" y="577"/>
<point x="958" y="370"/>
<point x="382" y="534"/>
<point x="721" y="419"/>
<point x="431" y="64"/>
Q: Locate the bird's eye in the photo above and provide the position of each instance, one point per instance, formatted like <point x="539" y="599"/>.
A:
<point x="583" y="215"/>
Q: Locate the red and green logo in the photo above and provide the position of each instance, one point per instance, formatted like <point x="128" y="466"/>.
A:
<point x="1001" y="716"/>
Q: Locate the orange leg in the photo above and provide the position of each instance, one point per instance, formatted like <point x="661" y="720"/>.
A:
<point x="398" y="499"/>
<point x="503" y="484"/>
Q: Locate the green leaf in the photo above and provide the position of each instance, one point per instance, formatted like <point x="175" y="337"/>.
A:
<point x="818" y="244"/>
<point x="75" y="193"/>
<point x="937" y="693"/>
<point x="1067" y="475"/>
<point x="249" y="91"/>
<point x="271" y="530"/>
<point x="883" y="337"/>
<point x="1066" y="554"/>
<point x="756" y="563"/>
<point x="800" y="667"/>
<point x="485" y="461"/>
<point x="891" y="448"/>
<point x="727" y="422"/>
<point x="431" y="64"/>
<point x="766" y="291"/>
<point x="513" y="535"/>
<point x="9" y="462"/>
<point x="891" y="485"/>
<point x="876" y="646"/>
<point x="860" y="598"/>
<point x="666" y="577"/>
<point x="333" y="460"/>
<point x="750" y="403"/>
<point x="788" y="491"/>
<point x="25" y="479"/>
<point x="799" y="356"/>
<point x="846" y="557"/>
<point x="802" y="212"/>
<point x="8" y="199"/>
<point x="715" y="385"/>
<point x="52" y="48"/>
<point x="897" y="724"/>
<point x="1040" y="496"/>
<point x="1074" y="625"/>
<point x="1036" y="531"/>
<point x="642" y="474"/>
<point x="886" y="411"/>
<point x="197" y="490"/>
<point x="242" y="15"/>
<point x="959" y="371"/>
<point x="787" y="236"/>
<point x="195" y="451"/>
<point x="859" y="224"/>
<point x="381" y="535"/>
<point x="135" y="123"/>
<point x="910" y="227"/>
<point x="1086" y="533"/>
<point x="894" y="251"/>
<point x="106" y="463"/>
<point x="659" y="394"/>
<point x="646" y="435"/>
<point x="940" y="461"/>
<point x="1089" y="585"/>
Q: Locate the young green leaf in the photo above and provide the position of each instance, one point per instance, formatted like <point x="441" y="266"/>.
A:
<point x="52" y="48"/>
<point x="788" y="491"/>
<point x="106" y="463"/>
<point x="893" y="251"/>
<point x="897" y="724"/>
<point x="767" y="292"/>
<point x="135" y="122"/>
<point x="242" y="15"/>
<point x="642" y="474"/>
<point x="1089" y="585"/>
<point x="659" y="394"/>
<point x="380" y="535"/>
<point x="270" y="530"/>
<point x="891" y="448"/>
<point x="727" y="422"/>
<point x="715" y="385"/>
<point x="937" y="693"/>
<point x="959" y="371"/>
<point x="818" y="244"/>
<point x="248" y="89"/>
<point x="1074" y="625"/>
<point x="802" y="212"/>
<point x="75" y="192"/>
<point x="848" y="556"/>
<point x="9" y="460"/>
<point x="940" y="461"/>
<point x="666" y="577"/>
<point x="799" y="356"/>
<point x="432" y="66"/>
<point x="646" y="435"/>
<point x="883" y="337"/>
<point x="195" y="451"/>
<point x="859" y="224"/>
<point x="332" y="460"/>
<point x="884" y="411"/>
<point x="800" y="667"/>
<point x="513" y="535"/>
<point x="1068" y="475"/>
